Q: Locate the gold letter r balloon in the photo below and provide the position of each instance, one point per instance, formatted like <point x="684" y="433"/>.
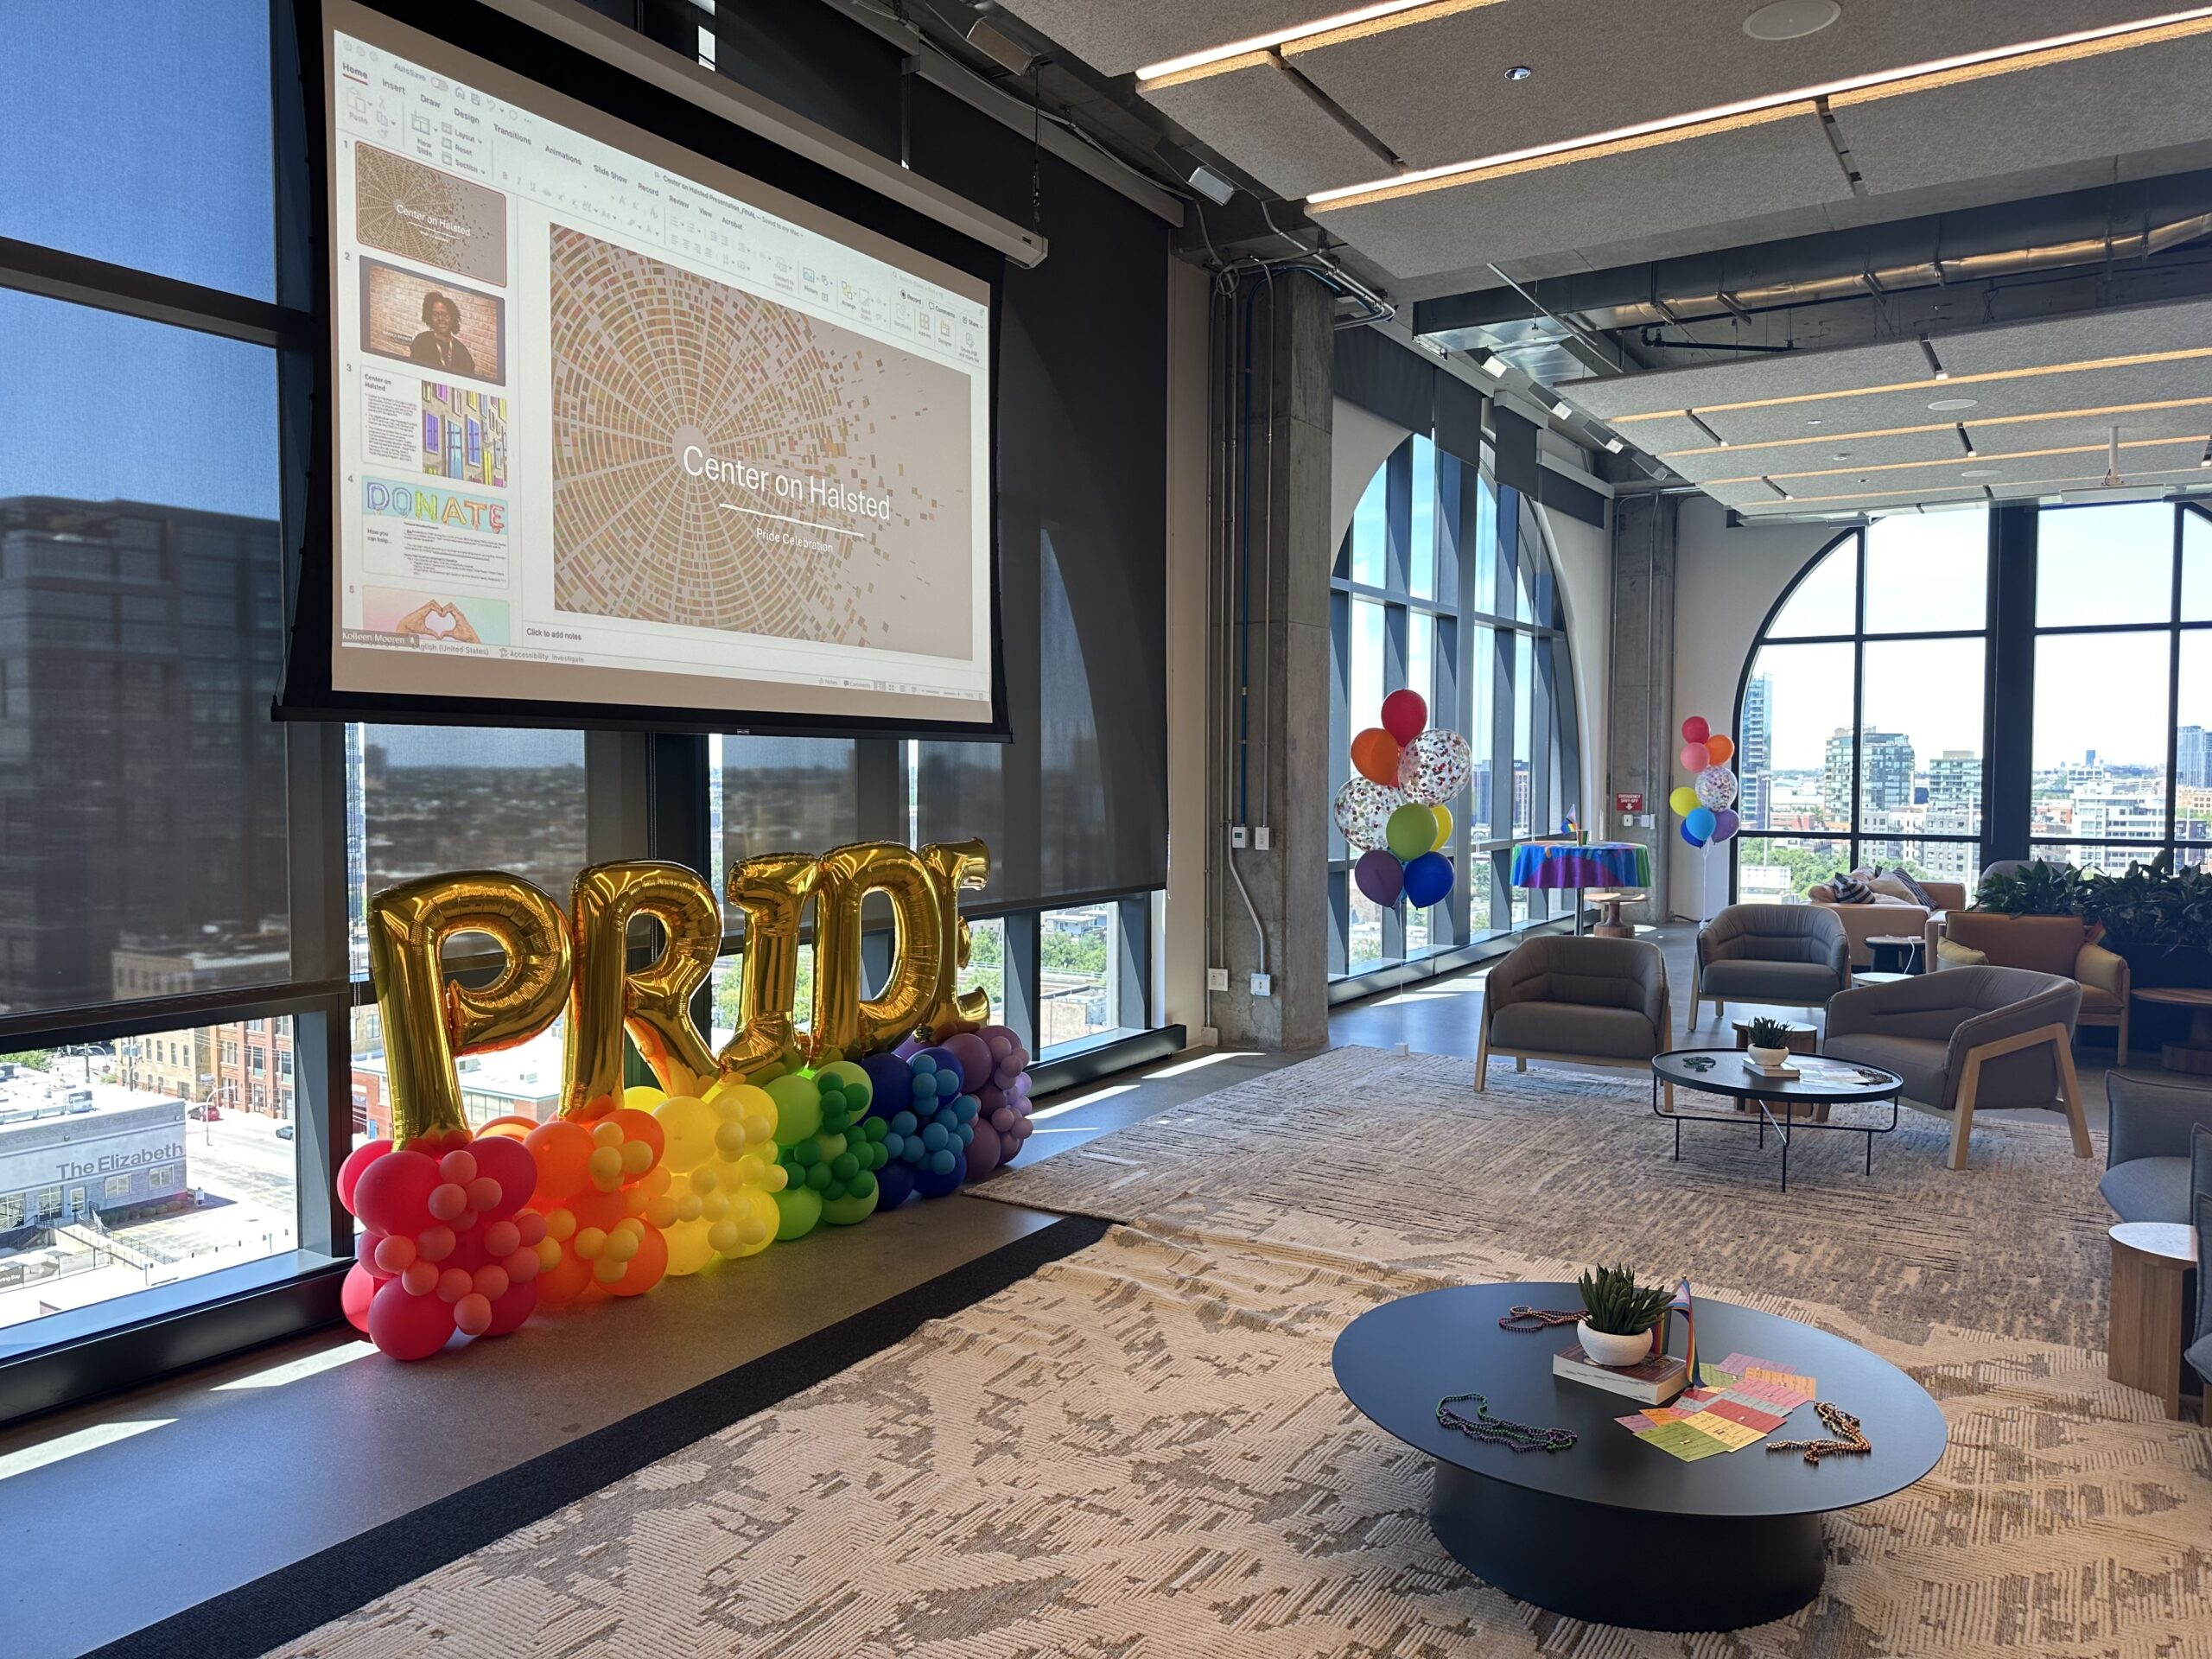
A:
<point x="653" y="1003"/>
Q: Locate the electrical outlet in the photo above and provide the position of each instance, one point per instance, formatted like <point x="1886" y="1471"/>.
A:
<point x="1237" y="835"/>
<point x="1260" y="839"/>
<point x="1262" y="985"/>
<point x="1216" y="979"/>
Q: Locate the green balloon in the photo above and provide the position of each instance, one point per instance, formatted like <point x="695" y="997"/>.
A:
<point x="851" y="1207"/>
<point x="798" y="1209"/>
<point x="850" y="1078"/>
<point x="798" y="1109"/>
<point x="1410" y="832"/>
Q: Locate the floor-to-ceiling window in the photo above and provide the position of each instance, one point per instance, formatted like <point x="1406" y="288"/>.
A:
<point x="2122" y="761"/>
<point x="1444" y="584"/>
<point x="1860" y="728"/>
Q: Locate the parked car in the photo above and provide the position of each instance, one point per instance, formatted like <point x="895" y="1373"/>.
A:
<point x="284" y="1131"/>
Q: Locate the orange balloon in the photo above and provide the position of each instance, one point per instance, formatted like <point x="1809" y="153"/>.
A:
<point x="1718" y="748"/>
<point x="1375" y="756"/>
<point x="561" y="1283"/>
<point x="646" y="1267"/>
<point x="564" y="1149"/>
<point x="515" y="1128"/>
<point x="642" y="1126"/>
<point x="593" y="1208"/>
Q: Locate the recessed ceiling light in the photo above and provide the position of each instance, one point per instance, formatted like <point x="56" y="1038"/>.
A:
<point x="1942" y="403"/>
<point x="1790" y="20"/>
<point x="1519" y="72"/>
<point x="1983" y="472"/>
<point x="1840" y="455"/>
<point x="1816" y="423"/>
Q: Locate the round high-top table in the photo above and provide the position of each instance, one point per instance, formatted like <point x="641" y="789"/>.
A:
<point x="1561" y="865"/>
<point x="1613" y="1529"/>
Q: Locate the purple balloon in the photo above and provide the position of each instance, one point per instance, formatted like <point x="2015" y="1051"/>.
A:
<point x="974" y="1056"/>
<point x="1002" y="1120"/>
<point x="1724" y="822"/>
<point x="1380" y="875"/>
<point x="985" y="1151"/>
<point x="894" y="1086"/>
<point x="912" y="1046"/>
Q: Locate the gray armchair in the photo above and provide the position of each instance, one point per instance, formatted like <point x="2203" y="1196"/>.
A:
<point x="1589" y="1001"/>
<point x="1797" y="956"/>
<point x="1966" y="1037"/>
<point x="2147" y="1146"/>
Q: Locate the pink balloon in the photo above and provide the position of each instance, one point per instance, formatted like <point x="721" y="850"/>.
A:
<point x="408" y="1327"/>
<point x="1695" y="757"/>
<point x="360" y="1158"/>
<point x="511" y="1164"/>
<point x="512" y="1309"/>
<point x="392" y="1194"/>
<point x="355" y="1295"/>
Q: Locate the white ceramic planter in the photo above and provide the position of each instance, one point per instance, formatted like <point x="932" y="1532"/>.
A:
<point x="1606" y="1348"/>
<point x="1768" y="1056"/>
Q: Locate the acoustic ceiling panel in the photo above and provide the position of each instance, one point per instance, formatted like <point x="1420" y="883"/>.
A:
<point x="1725" y="173"/>
<point x="1114" y="39"/>
<point x="1778" y="374"/>
<point x="1706" y="465"/>
<point x="2102" y="104"/>
<point x="1998" y="472"/>
<point x="1435" y="91"/>
<point x="2085" y="336"/>
<point x="1273" y="129"/>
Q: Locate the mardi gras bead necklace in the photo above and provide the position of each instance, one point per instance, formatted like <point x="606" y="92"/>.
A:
<point x="1529" y="1320"/>
<point x="1499" y="1431"/>
<point x="1840" y="1423"/>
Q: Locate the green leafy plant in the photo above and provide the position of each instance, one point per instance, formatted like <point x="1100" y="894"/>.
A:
<point x="1767" y="1032"/>
<point x="2151" y="906"/>
<point x="2036" y="888"/>
<point x="1617" y="1305"/>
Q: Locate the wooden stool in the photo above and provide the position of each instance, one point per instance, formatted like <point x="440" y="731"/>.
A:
<point x="1609" y="901"/>
<point x="2194" y="1054"/>
<point x="2150" y="1264"/>
<point x="1802" y="1039"/>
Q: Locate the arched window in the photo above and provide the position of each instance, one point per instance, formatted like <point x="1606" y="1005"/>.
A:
<point x="1859" y="727"/>
<point x="1445" y="583"/>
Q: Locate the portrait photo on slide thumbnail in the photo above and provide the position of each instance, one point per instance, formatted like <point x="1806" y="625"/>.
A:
<point x="433" y="322"/>
<point x="433" y="619"/>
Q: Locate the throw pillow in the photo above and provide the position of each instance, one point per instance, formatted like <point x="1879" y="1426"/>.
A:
<point x="1959" y="956"/>
<point x="1850" y="890"/>
<point x="1919" y="894"/>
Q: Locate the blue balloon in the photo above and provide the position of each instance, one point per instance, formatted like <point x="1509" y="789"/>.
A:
<point x="894" y="1185"/>
<point x="893" y="1081"/>
<point x="1694" y="840"/>
<point x="1700" y="822"/>
<point x="1428" y="878"/>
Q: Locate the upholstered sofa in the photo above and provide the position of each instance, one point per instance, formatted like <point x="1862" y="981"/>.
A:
<point x="1890" y="911"/>
<point x="2065" y="945"/>
<point x="1588" y="1002"/>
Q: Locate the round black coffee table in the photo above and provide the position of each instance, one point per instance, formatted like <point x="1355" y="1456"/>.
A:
<point x="1721" y="1072"/>
<point x="1611" y="1530"/>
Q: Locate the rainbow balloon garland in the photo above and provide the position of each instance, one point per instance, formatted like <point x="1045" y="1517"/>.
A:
<point x="909" y="1092"/>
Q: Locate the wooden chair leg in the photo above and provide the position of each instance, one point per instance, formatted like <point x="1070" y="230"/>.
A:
<point x="1720" y="1014"/>
<point x="2070" y="1087"/>
<point x="1482" y="1058"/>
<point x="1692" y="1026"/>
<point x="1520" y="1062"/>
<point x="1962" y="1109"/>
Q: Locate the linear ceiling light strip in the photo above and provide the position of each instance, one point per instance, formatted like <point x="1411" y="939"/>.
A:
<point x="1933" y="426"/>
<point x="1218" y="59"/>
<point x="1943" y="71"/>
<point x="1952" y="461"/>
<point x="2133" y="360"/>
<point x="2026" y="485"/>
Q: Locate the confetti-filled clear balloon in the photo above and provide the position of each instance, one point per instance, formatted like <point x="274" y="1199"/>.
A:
<point x="1433" y="767"/>
<point x="1716" y="787"/>
<point x="1362" y="809"/>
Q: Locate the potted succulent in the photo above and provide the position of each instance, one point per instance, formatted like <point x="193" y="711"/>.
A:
<point x="1620" y="1316"/>
<point x="1769" y="1041"/>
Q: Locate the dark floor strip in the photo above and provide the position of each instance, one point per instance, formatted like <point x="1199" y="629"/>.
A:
<point x="287" y="1604"/>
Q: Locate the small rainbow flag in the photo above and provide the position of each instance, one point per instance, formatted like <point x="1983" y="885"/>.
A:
<point x="1682" y="1305"/>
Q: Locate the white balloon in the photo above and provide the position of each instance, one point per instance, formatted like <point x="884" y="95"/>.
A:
<point x="1716" y="787"/>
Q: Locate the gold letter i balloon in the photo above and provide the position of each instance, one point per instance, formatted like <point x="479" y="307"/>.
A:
<point x="427" y="1021"/>
<point x="769" y="892"/>
<point x="845" y="1023"/>
<point x="653" y="1003"/>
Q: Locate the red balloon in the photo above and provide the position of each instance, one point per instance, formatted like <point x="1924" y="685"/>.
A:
<point x="360" y="1158"/>
<point x="1403" y="716"/>
<point x="508" y="1162"/>
<point x="512" y="1309"/>
<point x="1695" y="730"/>
<point x="355" y="1294"/>
<point x="365" y="1253"/>
<point x="393" y="1193"/>
<point x="408" y="1327"/>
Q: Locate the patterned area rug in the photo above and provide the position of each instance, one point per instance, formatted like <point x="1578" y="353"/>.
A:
<point x="1140" y="1452"/>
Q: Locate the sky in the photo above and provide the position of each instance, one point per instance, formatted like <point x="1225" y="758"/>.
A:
<point x="138" y="133"/>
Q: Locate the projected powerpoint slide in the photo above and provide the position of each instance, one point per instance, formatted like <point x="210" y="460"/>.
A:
<point x="420" y="532"/>
<point x="464" y="435"/>
<point x="430" y="217"/>
<point x="430" y="620"/>
<point x="724" y="461"/>
<point x="431" y="323"/>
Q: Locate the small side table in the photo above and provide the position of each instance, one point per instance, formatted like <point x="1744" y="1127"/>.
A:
<point x="2196" y="1054"/>
<point x="1609" y="901"/>
<point x="2152" y="1261"/>
<point x="1896" y="953"/>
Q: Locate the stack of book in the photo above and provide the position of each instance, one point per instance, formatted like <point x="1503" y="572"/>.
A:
<point x="1781" y="1073"/>
<point x="1652" y="1381"/>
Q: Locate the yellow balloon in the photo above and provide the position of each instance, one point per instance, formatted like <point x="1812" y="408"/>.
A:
<point x="428" y="1020"/>
<point x="1684" y="800"/>
<point x="643" y="1097"/>
<point x="688" y="1249"/>
<point x="1443" y="824"/>
<point x="688" y="1126"/>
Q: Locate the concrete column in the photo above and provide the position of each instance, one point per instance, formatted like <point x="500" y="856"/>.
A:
<point x="1639" y="727"/>
<point x="1271" y="652"/>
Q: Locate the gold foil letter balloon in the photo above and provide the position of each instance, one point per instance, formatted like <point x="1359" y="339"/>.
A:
<point x="769" y="892"/>
<point x="653" y="1003"/>
<point x="954" y="864"/>
<point x="427" y="1021"/>
<point x="845" y="1023"/>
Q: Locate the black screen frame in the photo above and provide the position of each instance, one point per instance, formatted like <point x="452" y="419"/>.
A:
<point x="305" y="692"/>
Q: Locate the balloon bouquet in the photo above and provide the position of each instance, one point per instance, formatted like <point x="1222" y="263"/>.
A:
<point x="1707" y="805"/>
<point x="1392" y="809"/>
